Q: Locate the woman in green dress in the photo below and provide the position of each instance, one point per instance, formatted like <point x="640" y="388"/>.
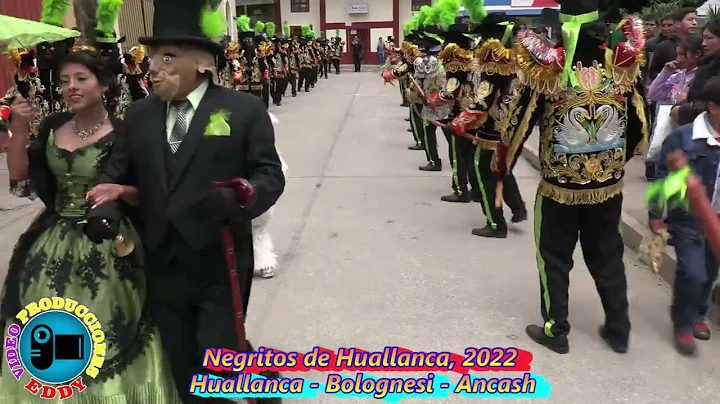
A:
<point x="55" y="257"/>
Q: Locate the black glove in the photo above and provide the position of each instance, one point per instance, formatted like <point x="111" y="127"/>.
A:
<point x="217" y="204"/>
<point x="99" y="229"/>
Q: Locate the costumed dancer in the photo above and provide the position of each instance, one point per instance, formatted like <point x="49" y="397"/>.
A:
<point x="324" y="56"/>
<point x="27" y="84"/>
<point x="184" y="149"/>
<point x="251" y="74"/>
<point x="497" y="85"/>
<point x="593" y="118"/>
<point x="338" y="48"/>
<point x="315" y="52"/>
<point x="306" y="59"/>
<point x="137" y="65"/>
<point x="263" y="247"/>
<point x="108" y="11"/>
<point x="430" y="78"/>
<point x="230" y="71"/>
<point x="460" y="73"/>
<point x="264" y="54"/>
<point x="48" y="58"/>
<point x="64" y="252"/>
<point x="278" y="82"/>
<point x="293" y="58"/>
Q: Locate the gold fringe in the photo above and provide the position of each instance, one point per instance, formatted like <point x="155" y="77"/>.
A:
<point x="494" y="58"/>
<point x="520" y="133"/>
<point x="543" y="79"/>
<point x="579" y="196"/>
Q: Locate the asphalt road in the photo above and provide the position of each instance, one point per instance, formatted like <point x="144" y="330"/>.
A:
<point x="371" y="257"/>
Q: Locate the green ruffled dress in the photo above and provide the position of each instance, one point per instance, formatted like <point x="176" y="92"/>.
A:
<point x="63" y="262"/>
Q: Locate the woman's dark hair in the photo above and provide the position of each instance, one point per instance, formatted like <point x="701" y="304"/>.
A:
<point x="693" y="45"/>
<point x="94" y="62"/>
<point x="711" y="91"/>
<point x="714" y="27"/>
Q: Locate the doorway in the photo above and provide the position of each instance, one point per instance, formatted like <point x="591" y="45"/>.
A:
<point x="364" y="35"/>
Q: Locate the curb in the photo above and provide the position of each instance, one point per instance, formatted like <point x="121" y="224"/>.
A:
<point x="633" y="233"/>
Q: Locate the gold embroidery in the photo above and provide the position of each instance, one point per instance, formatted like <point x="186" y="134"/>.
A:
<point x="579" y="196"/>
<point x="543" y="79"/>
<point x="494" y="58"/>
<point x="484" y="89"/>
<point x="486" y="144"/>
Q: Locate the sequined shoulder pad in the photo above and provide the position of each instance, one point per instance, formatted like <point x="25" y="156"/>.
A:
<point x="494" y="58"/>
<point x="455" y="58"/>
<point x="539" y="66"/>
<point x="625" y="53"/>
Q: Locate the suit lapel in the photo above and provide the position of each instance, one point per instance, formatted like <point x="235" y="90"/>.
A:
<point x="159" y="140"/>
<point x="194" y="136"/>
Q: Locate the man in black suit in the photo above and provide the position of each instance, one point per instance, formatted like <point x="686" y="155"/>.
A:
<point x="172" y="154"/>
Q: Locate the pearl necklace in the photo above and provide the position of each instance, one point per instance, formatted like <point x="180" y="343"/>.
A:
<point x="84" y="134"/>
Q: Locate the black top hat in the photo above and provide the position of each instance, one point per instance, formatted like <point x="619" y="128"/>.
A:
<point x="578" y="7"/>
<point x="492" y="27"/>
<point x="178" y="22"/>
<point x="459" y="34"/>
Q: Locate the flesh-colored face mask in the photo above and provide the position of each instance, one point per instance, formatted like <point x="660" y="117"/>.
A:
<point x="174" y="70"/>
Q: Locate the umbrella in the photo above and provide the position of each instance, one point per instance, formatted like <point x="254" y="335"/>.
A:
<point x="17" y="33"/>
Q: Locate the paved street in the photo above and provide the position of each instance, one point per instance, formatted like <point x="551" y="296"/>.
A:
<point x="370" y="257"/>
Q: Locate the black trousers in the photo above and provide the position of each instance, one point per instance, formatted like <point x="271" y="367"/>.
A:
<point x="356" y="62"/>
<point x="336" y="65"/>
<point x="305" y="78"/>
<point x="485" y="183"/>
<point x="314" y="76"/>
<point x="257" y="93"/>
<point x="193" y="309"/>
<point x="292" y="81"/>
<point x="277" y="88"/>
<point x="460" y="152"/>
<point x="416" y="124"/>
<point x="427" y="134"/>
<point x="324" y="67"/>
<point x="557" y="229"/>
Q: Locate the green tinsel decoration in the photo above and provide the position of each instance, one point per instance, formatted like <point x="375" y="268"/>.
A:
<point x="213" y="23"/>
<point x="53" y="11"/>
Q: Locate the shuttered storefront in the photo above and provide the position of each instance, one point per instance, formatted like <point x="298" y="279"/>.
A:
<point x="136" y="18"/>
<point x="27" y="9"/>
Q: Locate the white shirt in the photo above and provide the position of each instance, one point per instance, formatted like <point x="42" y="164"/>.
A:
<point x="194" y="97"/>
<point x="703" y="130"/>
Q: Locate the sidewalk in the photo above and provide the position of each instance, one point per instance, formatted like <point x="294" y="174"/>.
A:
<point x="634" y="216"/>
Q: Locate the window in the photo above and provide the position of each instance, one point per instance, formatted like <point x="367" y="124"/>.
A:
<point x="299" y="6"/>
<point x="416" y="4"/>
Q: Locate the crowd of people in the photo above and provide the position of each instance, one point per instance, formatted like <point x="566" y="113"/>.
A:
<point x="592" y="97"/>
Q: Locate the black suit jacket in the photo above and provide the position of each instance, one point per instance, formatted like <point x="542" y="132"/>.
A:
<point x="167" y="196"/>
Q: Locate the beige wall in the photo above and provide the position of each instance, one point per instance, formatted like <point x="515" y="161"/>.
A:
<point x="312" y="17"/>
<point x="376" y="33"/>
<point x="405" y="15"/>
<point x="378" y="10"/>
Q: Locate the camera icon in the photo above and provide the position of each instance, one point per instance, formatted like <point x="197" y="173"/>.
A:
<point x="46" y="347"/>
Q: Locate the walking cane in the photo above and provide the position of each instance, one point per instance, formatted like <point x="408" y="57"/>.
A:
<point x="686" y="186"/>
<point x="246" y="194"/>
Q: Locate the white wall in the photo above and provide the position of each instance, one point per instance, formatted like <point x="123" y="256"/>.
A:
<point x="228" y="9"/>
<point x="376" y="33"/>
<point x="405" y="16"/>
<point x="378" y="11"/>
<point x="312" y="17"/>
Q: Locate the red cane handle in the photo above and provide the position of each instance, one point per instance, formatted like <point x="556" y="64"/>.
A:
<point x="244" y="190"/>
<point x="703" y="210"/>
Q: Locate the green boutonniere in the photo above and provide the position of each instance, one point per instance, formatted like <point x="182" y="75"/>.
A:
<point x="218" y="125"/>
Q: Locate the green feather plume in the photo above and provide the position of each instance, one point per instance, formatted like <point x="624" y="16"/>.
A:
<point x="670" y="192"/>
<point x="259" y="27"/>
<point x="476" y="10"/>
<point x="213" y="23"/>
<point x="311" y="34"/>
<point x="425" y="14"/>
<point x="243" y="23"/>
<point x="305" y="30"/>
<point x="270" y="29"/>
<point x="53" y="11"/>
<point x="448" y="10"/>
<point x="286" y="31"/>
<point x="107" y="14"/>
<point x="337" y="33"/>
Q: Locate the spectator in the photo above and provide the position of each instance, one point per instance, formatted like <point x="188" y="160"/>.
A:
<point x="381" y="51"/>
<point x="357" y="47"/>
<point x="697" y="265"/>
<point x="672" y="84"/>
<point x="709" y="67"/>
<point x="685" y="25"/>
